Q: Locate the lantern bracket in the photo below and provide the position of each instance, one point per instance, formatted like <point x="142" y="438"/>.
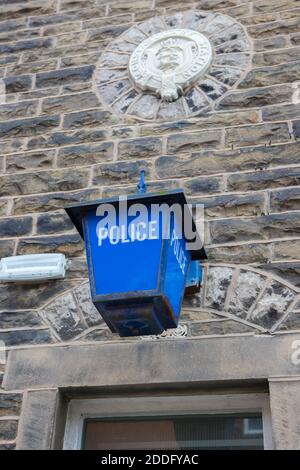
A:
<point x="142" y="188"/>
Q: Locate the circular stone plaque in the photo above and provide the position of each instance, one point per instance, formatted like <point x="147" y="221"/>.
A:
<point x="173" y="66"/>
<point x="168" y="62"/>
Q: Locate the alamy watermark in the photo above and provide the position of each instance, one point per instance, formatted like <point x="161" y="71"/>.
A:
<point x="295" y="356"/>
<point x="138" y="222"/>
<point x="2" y="353"/>
<point x="2" y="91"/>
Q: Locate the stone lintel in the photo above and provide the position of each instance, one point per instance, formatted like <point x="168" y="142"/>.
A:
<point x="150" y="363"/>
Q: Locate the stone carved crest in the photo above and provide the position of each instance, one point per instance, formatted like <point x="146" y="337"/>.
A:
<point x="169" y="62"/>
<point x="173" y="66"/>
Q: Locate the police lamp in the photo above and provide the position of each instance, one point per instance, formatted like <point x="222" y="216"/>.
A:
<point x="142" y="251"/>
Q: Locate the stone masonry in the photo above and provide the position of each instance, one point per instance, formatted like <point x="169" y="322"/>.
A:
<point x="73" y="129"/>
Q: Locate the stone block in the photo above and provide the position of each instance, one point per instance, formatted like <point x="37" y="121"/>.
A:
<point x="53" y="222"/>
<point x="240" y="254"/>
<point x="8" y="430"/>
<point x="276" y="57"/>
<point x="211" y="120"/>
<point x="18" y="84"/>
<point x="85" y="154"/>
<point x="101" y="334"/>
<point x="258" y="228"/>
<point x="41" y="93"/>
<point x="227" y="75"/>
<point x="286" y="250"/>
<point x="70" y="245"/>
<point x="217" y="284"/>
<point x="63" y="76"/>
<point x="265" y="76"/>
<point x="77" y="269"/>
<point x="7" y="248"/>
<point x="61" y="28"/>
<point x="16" y="110"/>
<point x="75" y="61"/>
<point x="68" y="103"/>
<point x="120" y="172"/>
<point x="106" y="32"/>
<point x="34" y="296"/>
<point x="193" y="141"/>
<point x="91" y="118"/>
<point x="218" y="161"/>
<point x="257" y="97"/>
<point x="275" y="27"/>
<point x="176" y="110"/>
<point x="4" y="207"/>
<point x="264" y="179"/>
<point x="53" y="201"/>
<point x="296" y="128"/>
<point x="95" y="365"/>
<point x="292" y="322"/>
<point x="263" y="6"/>
<point x="233" y="205"/>
<point x="25" y="337"/>
<point x="26" y="161"/>
<point x="112" y="20"/>
<point x="32" y="67"/>
<point x="12" y="25"/>
<point x="272" y="305"/>
<point x="285" y="199"/>
<point x="284" y="398"/>
<point x="139" y="148"/>
<point x="59" y="139"/>
<point x="74" y="4"/>
<point x="246" y="291"/>
<point x="90" y="313"/>
<point x="20" y="46"/>
<point x="203" y="186"/>
<point x="34" y="7"/>
<point x="273" y="42"/>
<point x="8" y="446"/>
<point x="281" y="112"/>
<point x="123" y="7"/>
<point x="65" y="17"/>
<point x="212" y="89"/>
<point x="289" y="271"/>
<point x="64" y="317"/>
<point x="219" y="327"/>
<point x="38" y="419"/>
<point x="42" y="181"/>
<point x="112" y="90"/>
<point x="15" y="227"/>
<point x="24" y="319"/>
<point x="10" y="404"/>
<point x="295" y="39"/>
<point x="27" y="127"/>
<point x="13" y="145"/>
<point x="258" y="134"/>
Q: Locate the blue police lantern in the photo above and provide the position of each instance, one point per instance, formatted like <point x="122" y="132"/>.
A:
<point x="139" y="258"/>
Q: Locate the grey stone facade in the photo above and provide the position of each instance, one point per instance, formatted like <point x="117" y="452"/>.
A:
<point x="72" y="131"/>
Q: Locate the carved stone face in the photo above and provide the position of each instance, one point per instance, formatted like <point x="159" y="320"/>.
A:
<point x="169" y="58"/>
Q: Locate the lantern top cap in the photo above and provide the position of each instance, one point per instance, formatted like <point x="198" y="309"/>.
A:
<point x="78" y="211"/>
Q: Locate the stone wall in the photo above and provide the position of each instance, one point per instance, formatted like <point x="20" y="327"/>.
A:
<point x="67" y="135"/>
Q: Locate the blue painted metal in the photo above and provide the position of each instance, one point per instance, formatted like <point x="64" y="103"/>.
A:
<point x="194" y="278"/>
<point x="142" y="188"/>
<point x="137" y="286"/>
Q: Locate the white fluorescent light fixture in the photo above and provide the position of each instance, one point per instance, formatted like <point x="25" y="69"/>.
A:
<point x="33" y="268"/>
